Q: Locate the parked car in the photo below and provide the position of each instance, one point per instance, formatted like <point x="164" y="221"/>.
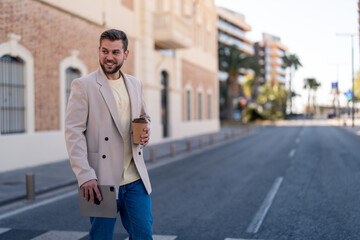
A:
<point x="331" y="114"/>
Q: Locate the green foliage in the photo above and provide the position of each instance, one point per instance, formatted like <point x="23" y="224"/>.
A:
<point x="291" y="61"/>
<point x="252" y="114"/>
<point x="273" y="100"/>
<point x="312" y="84"/>
<point x="357" y="86"/>
<point x="231" y="60"/>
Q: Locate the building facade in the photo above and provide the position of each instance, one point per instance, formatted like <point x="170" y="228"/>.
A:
<point x="232" y="29"/>
<point x="45" y="44"/>
<point x="269" y="53"/>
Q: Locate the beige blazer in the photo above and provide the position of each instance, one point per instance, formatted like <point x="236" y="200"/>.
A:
<point x="93" y="133"/>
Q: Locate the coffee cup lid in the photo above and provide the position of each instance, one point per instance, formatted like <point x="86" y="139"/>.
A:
<point x="140" y="120"/>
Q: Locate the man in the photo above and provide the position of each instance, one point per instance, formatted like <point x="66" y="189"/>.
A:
<point x="98" y="139"/>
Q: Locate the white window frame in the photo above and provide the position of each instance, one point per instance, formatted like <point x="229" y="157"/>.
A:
<point x="12" y="48"/>
<point x="69" y="62"/>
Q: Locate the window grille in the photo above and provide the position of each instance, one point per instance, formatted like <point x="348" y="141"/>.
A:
<point x="188" y="106"/>
<point x="12" y="95"/>
<point x="209" y="106"/>
<point x="200" y="105"/>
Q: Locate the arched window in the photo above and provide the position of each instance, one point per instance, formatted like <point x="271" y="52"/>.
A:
<point x="12" y="95"/>
<point x="188" y="105"/>
<point x="209" y="106"/>
<point x="70" y="75"/>
<point x="200" y="105"/>
<point x="71" y="67"/>
<point x="17" y="87"/>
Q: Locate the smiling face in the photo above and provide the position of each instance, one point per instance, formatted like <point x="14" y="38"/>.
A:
<point x="112" y="57"/>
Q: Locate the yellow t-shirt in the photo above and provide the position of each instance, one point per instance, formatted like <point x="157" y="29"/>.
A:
<point x="130" y="173"/>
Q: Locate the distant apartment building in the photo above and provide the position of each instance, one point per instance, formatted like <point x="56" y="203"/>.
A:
<point x="232" y="29"/>
<point x="269" y="53"/>
<point x="45" y="44"/>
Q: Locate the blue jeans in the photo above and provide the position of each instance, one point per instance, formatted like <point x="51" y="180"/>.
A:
<point x="134" y="205"/>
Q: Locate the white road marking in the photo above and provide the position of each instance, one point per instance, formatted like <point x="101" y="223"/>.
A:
<point x="298" y="140"/>
<point x="264" y="208"/>
<point x="240" y="239"/>
<point x="2" y="230"/>
<point x="161" y="237"/>
<point x="302" y="132"/>
<point x="61" y="235"/>
<point x="292" y="153"/>
<point x="39" y="204"/>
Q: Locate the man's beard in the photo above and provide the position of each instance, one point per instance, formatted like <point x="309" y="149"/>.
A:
<point x="115" y="70"/>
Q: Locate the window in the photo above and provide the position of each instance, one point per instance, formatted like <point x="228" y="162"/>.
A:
<point x="209" y="106"/>
<point x="188" y="105"/>
<point x="200" y="106"/>
<point x="71" y="74"/>
<point x="70" y="68"/>
<point x="12" y="95"/>
<point x="164" y="103"/>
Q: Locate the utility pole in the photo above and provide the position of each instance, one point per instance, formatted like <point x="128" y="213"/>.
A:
<point x="352" y="35"/>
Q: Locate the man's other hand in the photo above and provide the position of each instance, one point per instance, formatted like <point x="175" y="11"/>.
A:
<point x="145" y="137"/>
<point x="88" y="188"/>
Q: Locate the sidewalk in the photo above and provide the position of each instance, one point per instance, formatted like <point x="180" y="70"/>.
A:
<point x="347" y="122"/>
<point x="53" y="176"/>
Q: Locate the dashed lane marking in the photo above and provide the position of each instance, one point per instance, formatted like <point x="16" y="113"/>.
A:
<point x="292" y="153"/>
<point x="264" y="208"/>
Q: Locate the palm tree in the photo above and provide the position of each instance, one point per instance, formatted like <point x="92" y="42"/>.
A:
<point x="292" y="62"/>
<point x="312" y="85"/>
<point x="231" y="60"/>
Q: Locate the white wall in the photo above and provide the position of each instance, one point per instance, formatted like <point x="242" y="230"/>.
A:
<point x="25" y="150"/>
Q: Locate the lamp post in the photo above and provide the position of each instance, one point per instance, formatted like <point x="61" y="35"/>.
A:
<point x="352" y="35"/>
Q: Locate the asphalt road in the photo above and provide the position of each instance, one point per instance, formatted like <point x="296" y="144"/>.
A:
<point x="285" y="182"/>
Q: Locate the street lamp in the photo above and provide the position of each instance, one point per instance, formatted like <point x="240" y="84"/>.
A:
<point x="352" y="35"/>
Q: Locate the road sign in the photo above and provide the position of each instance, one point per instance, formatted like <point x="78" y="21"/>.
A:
<point x="349" y="95"/>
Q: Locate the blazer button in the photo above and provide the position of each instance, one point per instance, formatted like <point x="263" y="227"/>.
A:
<point x="139" y="153"/>
<point x="103" y="156"/>
<point x="106" y="139"/>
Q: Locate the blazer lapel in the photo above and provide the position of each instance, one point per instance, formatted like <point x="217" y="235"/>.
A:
<point x="132" y="95"/>
<point x="108" y="96"/>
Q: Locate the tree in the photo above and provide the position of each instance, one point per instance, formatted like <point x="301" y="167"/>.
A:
<point x="357" y="86"/>
<point x="312" y="85"/>
<point x="231" y="60"/>
<point x="293" y="63"/>
<point x="273" y="99"/>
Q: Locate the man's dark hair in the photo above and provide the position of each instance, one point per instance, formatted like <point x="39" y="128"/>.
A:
<point x="113" y="35"/>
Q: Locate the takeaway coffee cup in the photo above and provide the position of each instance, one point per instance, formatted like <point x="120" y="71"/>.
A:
<point x="138" y="125"/>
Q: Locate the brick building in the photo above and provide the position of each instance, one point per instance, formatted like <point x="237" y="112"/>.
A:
<point x="45" y="44"/>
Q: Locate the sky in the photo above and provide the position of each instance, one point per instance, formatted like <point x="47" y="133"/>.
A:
<point x="309" y="29"/>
